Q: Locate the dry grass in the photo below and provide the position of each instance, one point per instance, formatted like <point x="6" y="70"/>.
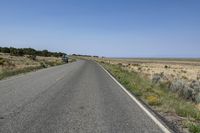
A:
<point x="153" y="100"/>
<point x="188" y="70"/>
<point x="158" y="97"/>
<point x="11" y="65"/>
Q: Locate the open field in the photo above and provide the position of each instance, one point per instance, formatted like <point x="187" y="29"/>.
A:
<point x="12" y="65"/>
<point x="186" y="69"/>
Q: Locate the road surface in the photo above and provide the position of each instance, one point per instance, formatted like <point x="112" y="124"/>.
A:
<point x="74" y="98"/>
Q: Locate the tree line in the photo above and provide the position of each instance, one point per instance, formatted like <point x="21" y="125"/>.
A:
<point x="85" y="55"/>
<point x="29" y="51"/>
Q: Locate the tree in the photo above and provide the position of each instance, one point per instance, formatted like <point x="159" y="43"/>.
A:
<point x="29" y="51"/>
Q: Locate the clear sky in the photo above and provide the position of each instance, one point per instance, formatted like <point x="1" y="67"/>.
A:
<point x="118" y="28"/>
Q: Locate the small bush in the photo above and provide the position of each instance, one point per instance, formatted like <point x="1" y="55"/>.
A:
<point x="197" y="98"/>
<point x="43" y="65"/>
<point x="184" y="91"/>
<point x="139" y="68"/>
<point x="135" y="64"/>
<point x="184" y="77"/>
<point x="195" y="85"/>
<point x="187" y="92"/>
<point x="2" y="61"/>
<point x="120" y="64"/>
<point x="183" y="71"/>
<point x="156" y="78"/>
<point x="166" y="66"/>
<point x="153" y="100"/>
<point x="32" y="57"/>
<point x="194" y="128"/>
<point x="177" y="85"/>
<point x="198" y="76"/>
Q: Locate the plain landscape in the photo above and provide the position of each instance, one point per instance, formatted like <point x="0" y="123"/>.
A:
<point x="169" y="86"/>
<point x="100" y="66"/>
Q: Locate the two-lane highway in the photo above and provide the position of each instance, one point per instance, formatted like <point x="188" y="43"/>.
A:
<point x="74" y="98"/>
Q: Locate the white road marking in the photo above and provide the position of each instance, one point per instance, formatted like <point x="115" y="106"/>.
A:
<point x="157" y="122"/>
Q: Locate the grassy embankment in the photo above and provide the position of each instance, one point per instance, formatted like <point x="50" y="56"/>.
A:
<point x="13" y="65"/>
<point x="158" y="97"/>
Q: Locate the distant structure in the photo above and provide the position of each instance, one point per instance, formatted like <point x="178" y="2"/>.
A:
<point x="65" y="58"/>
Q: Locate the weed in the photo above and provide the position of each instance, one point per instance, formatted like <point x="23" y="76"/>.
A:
<point x="43" y="65"/>
<point x="7" y="73"/>
<point x="153" y="100"/>
<point x="194" y="128"/>
<point x="2" y="61"/>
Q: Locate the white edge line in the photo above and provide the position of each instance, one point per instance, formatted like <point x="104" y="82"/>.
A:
<point x="161" y="126"/>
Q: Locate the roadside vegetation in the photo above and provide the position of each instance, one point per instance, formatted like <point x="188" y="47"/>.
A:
<point x="175" y="108"/>
<point x="14" y="61"/>
<point x="29" y="51"/>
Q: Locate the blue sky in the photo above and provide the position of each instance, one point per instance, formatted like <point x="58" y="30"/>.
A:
<point x="117" y="28"/>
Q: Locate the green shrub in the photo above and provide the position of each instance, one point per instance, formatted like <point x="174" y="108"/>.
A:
<point x="32" y="57"/>
<point x="187" y="110"/>
<point x="43" y="65"/>
<point x="194" y="128"/>
<point x="177" y="85"/>
<point x="2" y="61"/>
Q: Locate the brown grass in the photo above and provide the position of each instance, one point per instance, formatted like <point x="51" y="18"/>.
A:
<point x="181" y="69"/>
<point x="12" y="65"/>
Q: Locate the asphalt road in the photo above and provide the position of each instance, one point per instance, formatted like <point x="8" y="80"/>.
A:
<point x="74" y="98"/>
